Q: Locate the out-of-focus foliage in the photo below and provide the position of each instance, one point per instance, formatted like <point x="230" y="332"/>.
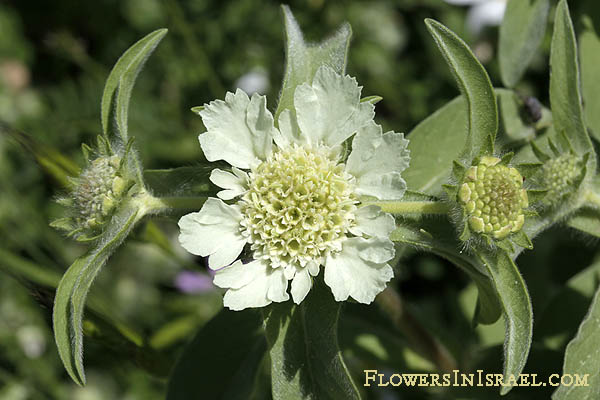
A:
<point x="54" y="59"/>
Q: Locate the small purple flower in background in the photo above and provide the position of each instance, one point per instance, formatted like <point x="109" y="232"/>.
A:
<point x="192" y="282"/>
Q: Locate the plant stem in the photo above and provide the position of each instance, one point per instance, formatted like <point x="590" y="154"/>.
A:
<point x="181" y="203"/>
<point x="422" y="341"/>
<point x="155" y="205"/>
<point x="593" y="198"/>
<point x="411" y="207"/>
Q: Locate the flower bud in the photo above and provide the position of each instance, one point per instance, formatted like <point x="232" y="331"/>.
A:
<point x="559" y="176"/>
<point x="493" y="198"/>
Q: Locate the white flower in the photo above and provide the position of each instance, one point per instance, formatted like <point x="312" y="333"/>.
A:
<point x="297" y="205"/>
<point x="482" y="13"/>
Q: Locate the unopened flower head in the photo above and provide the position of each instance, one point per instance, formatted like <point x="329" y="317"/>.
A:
<point x="493" y="198"/>
<point x="559" y="175"/>
<point x="98" y="189"/>
<point x="294" y="201"/>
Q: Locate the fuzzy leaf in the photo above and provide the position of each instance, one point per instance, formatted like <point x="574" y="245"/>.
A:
<point x="117" y="90"/>
<point x="521" y="33"/>
<point x="586" y="220"/>
<point x="304" y="59"/>
<point x="436" y="241"/>
<point x="306" y="361"/>
<point x="582" y="357"/>
<point x="182" y="181"/>
<point x="565" y="96"/>
<point x="220" y="362"/>
<point x="73" y="288"/>
<point x="442" y="135"/>
<point x="518" y="316"/>
<point x="475" y="85"/>
<point x="589" y="55"/>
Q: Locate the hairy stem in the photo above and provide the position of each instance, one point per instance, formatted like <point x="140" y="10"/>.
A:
<point x="421" y="340"/>
<point x="411" y="207"/>
<point x="156" y="205"/>
<point x="592" y="198"/>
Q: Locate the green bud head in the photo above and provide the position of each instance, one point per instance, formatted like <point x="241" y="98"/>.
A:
<point x="97" y="192"/>
<point x="559" y="177"/>
<point x="493" y="198"/>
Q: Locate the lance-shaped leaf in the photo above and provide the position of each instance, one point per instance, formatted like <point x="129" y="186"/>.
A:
<point x="181" y="182"/>
<point x="565" y="95"/>
<point x="589" y="55"/>
<point x="518" y="316"/>
<point x="475" y="85"/>
<point x="432" y="235"/>
<point x="117" y="91"/>
<point x="304" y="59"/>
<point x="306" y="361"/>
<point x="521" y="33"/>
<point x="582" y="358"/>
<point x="221" y="362"/>
<point x="442" y="135"/>
<point x="72" y="290"/>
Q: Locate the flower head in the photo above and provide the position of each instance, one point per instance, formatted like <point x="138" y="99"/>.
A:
<point x="295" y="200"/>
<point x="493" y="198"/>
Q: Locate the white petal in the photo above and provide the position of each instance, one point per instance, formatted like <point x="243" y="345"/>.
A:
<point x="313" y="268"/>
<point x="236" y="183"/>
<point x="267" y="285"/>
<point x="370" y="220"/>
<point x="239" y="130"/>
<point x="288" y="132"/>
<point x="376" y="162"/>
<point x="329" y="111"/>
<point x="349" y="274"/>
<point x="376" y="250"/>
<point x="236" y="275"/>
<point x="301" y="285"/>
<point x="214" y="231"/>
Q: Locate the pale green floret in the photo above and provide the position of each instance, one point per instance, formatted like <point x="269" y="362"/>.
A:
<point x="559" y="176"/>
<point x="97" y="193"/>
<point x="299" y="206"/>
<point x="493" y="198"/>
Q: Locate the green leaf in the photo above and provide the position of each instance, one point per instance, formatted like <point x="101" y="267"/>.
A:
<point x="442" y="135"/>
<point x="182" y="181"/>
<point x="222" y="360"/>
<point x="583" y="357"/>
<point x="586" y="220"/>
<point x="73" y="288"/>
<point x="589" y="55"/>
<point x="117" y="91"/>
<point x="432" y="236"/>
<point x="521" y="33"/>
<point x="518" y="316"/>
<point x="439" y="137"/>
<point x="563" y="314"/>
<point x="23" y="268"/>
<point x="475" y="85"/>
<point x="565" y="96"/>
<point x="303" y="345"/>
<point x="304" y="59"/>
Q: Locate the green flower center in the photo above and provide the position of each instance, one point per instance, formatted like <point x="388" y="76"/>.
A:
<point x="559" y="175"/>
<point x="97" y="190"/>
<point x="299" y="206"/>
<point x="493" y="198"/>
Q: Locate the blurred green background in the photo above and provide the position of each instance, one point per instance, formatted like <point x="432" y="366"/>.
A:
<point x="54" y="59"/>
